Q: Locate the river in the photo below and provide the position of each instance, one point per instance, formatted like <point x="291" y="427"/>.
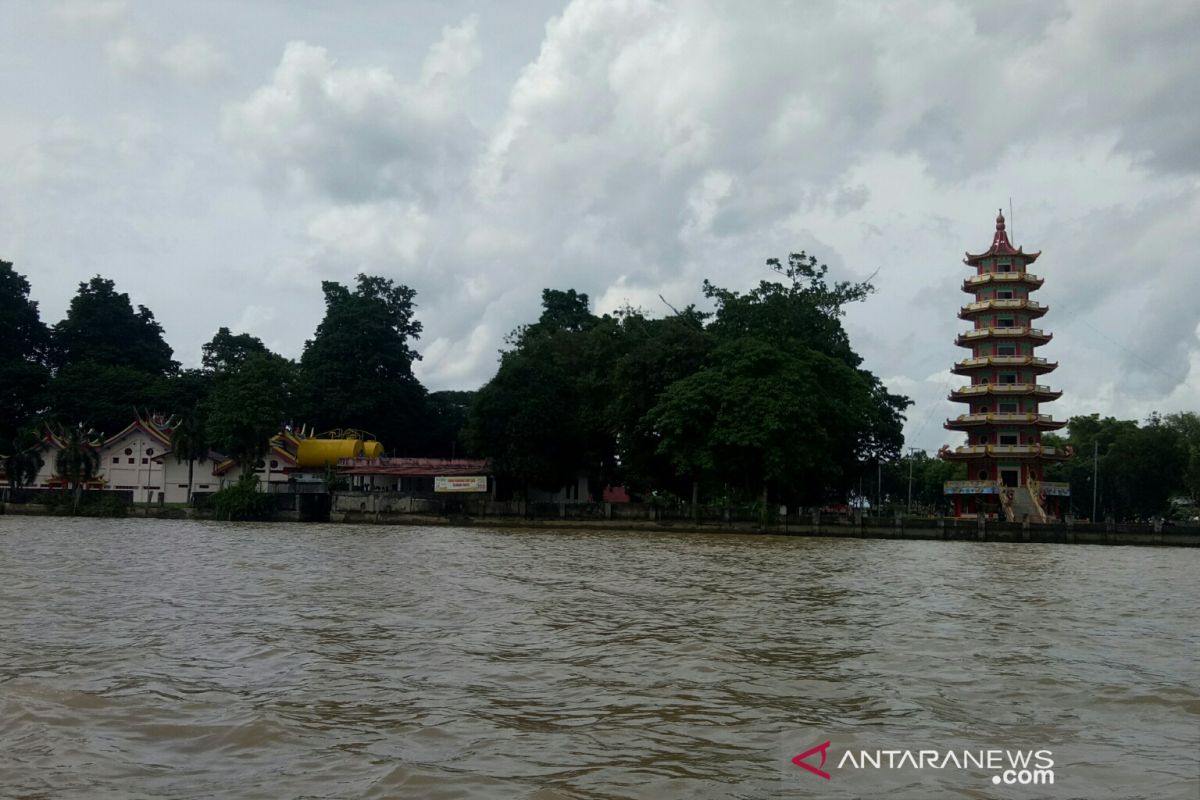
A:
<point x="148" y="658"/>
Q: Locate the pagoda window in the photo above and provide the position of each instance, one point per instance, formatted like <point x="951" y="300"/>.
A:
<point x="1008" y="438"/>
<point x="1006" y="350"/>
<point x="1004" y="322"/>
<point x="1003" y="266"/>
<point x="1004" y="294"/>
<point x="1006" y="408"/>
<point x="983" y="439"/>
<point x="983" y="475"/>
<point x="1008" y="377"/>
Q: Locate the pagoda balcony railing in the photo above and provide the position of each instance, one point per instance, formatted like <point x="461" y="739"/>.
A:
<point x="997" y="331"/>
<point x="1000" y="330"/>
<point x="1003" y="418"/>
<point x="1000" y="450"/>
<point x="975" y="281"/>
<point x="1003" y="305"/>
<point x="1002" y="388"/>
<point x="1004" y="361"/>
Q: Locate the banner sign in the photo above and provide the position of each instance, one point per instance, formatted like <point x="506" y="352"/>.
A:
<point x="969" y="487"/>
<point x="460" y="483"/>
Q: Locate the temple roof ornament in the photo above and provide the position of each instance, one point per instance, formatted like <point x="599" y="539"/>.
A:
<point x="1001" y="246"/>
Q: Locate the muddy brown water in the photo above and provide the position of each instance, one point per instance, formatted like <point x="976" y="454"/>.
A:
<point x="148" y="658"/>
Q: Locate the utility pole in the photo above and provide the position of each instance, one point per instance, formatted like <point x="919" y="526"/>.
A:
<point x="911" y="450"/>
<point x="1095" y="474"/>
<point x="878" y="484"/>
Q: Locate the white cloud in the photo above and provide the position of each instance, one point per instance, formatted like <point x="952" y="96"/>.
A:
<point x="194" y="59"/>
<point x="124" y="54"/>
<point x="647" y="145"/>
<point x="87" y="12"/>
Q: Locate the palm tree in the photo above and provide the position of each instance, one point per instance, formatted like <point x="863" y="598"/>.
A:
<point x="188" y="443"/>
<point x="78" y="459"/>
<point x="22" y="466"/>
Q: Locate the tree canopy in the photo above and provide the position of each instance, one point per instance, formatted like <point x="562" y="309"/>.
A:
<point x="102" y="327"/>
<point x="24" y="351"/>
<point x="762" y="395"/>
<point x="356" y="371"/>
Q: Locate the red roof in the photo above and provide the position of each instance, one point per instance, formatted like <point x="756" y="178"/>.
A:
<point x="1001" y="246"/>
<point x="414" y="467"/>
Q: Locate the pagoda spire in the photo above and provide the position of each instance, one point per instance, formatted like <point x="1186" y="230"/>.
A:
<point x="1000" y="243"/>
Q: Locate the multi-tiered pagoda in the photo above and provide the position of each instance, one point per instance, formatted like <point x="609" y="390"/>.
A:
<point x="1004" y="424"/>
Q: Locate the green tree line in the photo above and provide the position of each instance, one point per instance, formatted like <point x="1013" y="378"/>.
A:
<point x="108" y="358"/>
<point x="760" y="400"/>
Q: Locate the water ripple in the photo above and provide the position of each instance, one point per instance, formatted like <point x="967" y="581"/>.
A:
<point x="188" y="660"/>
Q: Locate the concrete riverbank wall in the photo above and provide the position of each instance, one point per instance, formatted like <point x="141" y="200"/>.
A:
<point x="916" y="528"/>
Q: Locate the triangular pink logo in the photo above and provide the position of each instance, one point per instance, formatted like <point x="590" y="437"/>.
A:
<point x="800" y="762"/>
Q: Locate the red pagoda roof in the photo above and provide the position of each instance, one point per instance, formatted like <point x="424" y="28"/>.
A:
<point x="1001" y="246"/>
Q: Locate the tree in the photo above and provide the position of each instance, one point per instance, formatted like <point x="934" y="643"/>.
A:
<point x="543" y="418"/>
<point x="24" y="348"/>
<point x="101" y="396"/>
<point x="357" y="369"/>
<point x="249" y="405"/>
<point x="1088" y="436"/>
<point x="102" y="327"/>
<point x="1186" y="426"/>
<point x="188" y="443"/>
<point x="801" y="315"/>
<point x="654" y="354"/>
<point x="24" y="459"/>
<point x="761" y="417"/>
<point x="446" y="418"/>
<point x="227" y="351"/>
<point x="1146" y="467"/>
<point x="522" y="420"/>
<point x="78" y="459"/>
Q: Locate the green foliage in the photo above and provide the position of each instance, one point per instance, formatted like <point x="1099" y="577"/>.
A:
<point x="655" y="354"/>
<point x="23" y="461"/>
<point x="103" y="328"/>
<point x="1145" y="468"/>
<point x="1138" y="468"/>
<point x="78" y="459"/>
<point x="763" y="394"/>
<point x="103" y="396"/>
<point x="446" y="417"/>
<point x="522" y="419"/>
<point x="226" y="351"/>
<point x="242" y="501"/>
<point x="1186" y="427"/>
<point x="249" y="405"/>
<point x="759" y="415"/>
<point x="356" y="372"/>
<point x="24" y="348"/>
<point x="189" y="442"/>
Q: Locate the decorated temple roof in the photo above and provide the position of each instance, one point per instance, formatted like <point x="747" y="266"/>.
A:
<point x="1001" y="246"/>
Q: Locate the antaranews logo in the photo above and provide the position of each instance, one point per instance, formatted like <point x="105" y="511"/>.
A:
<point x="1020" y="767"/>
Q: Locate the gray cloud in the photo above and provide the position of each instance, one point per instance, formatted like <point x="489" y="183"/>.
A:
<point x="642" y="147"/>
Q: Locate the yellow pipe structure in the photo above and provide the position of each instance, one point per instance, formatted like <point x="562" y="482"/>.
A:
<point x="322" y="452"/>
<point x="372" y="449"/>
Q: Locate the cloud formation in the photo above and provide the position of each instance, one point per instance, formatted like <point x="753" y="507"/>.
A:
<point x="647" y="145"/>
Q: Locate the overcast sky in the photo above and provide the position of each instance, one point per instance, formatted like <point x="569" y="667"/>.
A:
<point x="219" y="159"/>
